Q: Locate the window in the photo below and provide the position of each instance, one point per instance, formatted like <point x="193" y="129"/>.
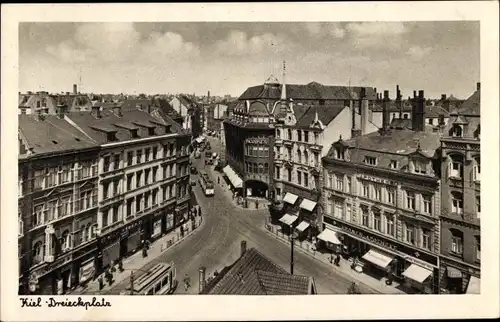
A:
<point x="129" y="207"/>
<point x="63" y="174"/>
<point x="289" y="150"/>
<point x="316" y="138"/>
<point x="306" y="179"/>
<point x="327" y="179"/>
<point x="420" y="167"/>
<point x="478" y="207"/>
<point x="116" y="162"/>
<point x="138" y="202"/>
<point x="289" y="175"/>
<point x="457" y="238"/>
<point x="477" y="170"/>
<point x="105" y="190"/>
<point x="278" y="172"/>
<point x="266" y="168"/>
<point x="146" y="200"/>
<point x="348" y="212"/>
<point x="289" y="134"/>
<point x="299" y="135"/>
<point x="431" y="120"/>
<point x="139" y="156"/>
<point x="155" y="197"/>
<point x="138" y="178"/>
<point x="378" y="192"/>
<point x="107" y="164"/>
<point x="349" y="184"/>
<point x="393" y="164"/>
<point x="478" y="248"/>
<point x="339" y="153"/>
<point x="365" y="190"/>
<point x="129" y="181"/>
<point x="116" y="188"/>
<point x="340" y="183"/>
<point x="329" y="209"/>
<point x="391" y="196"/>
<point x="306" y="157"/>
<point x="147" y="154"/>
<point x="370" y="160"/>
<point x="115" y="214"/>
<point x="155" y="171"/>
<point x="299" y="156"/>
<point x="477" y="132"/>
<point x="65" y="207"/>
<point x="155" y="152"/>
<point x="64" y="241"/>
<point x="457" y="204"/>
<point x="410" y="200"/>
<point x="365" y="217"/>
<point x="38" y="252"/>
<point x="426" y="238"/>
<point x="456" y="131"/>
<point x="306" y="136"/>
<point x="427" y="204"/>
<point x="105" y="216"/>
<point x="299" y="177"/>
<point x="410" y="234"/>
<point x="38" y="215"/>
<point x="377" y="221"/>
<point x="146" y="175"/>
<point x="130" y="156"/>
<point x="316" y="159"/>
<point x="338" y="209"/>
<point x="278" y="134"/>
<point x="389" y="225"/>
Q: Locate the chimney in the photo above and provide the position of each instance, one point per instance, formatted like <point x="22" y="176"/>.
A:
<point x="364" y="111"/>
<point x="441" y="119"/>
<point x="418" y="112"/>
<point x="202" y="281"/>
<point x="117" y="110"/>
<point x="355" y="132"/>
<point x="443" y="97"/>
<point x="284" y="108"/>
<point x="96" y="111"/>
<point x="399" y="101"/>
<point x="243" y="247"/>
<point x="478" y="86"/>
<point x="75" y="91"/>
<point x="385" y="113"/>
<point x="60" y="110"/>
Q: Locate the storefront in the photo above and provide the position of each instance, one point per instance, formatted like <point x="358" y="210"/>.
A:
<point x="157" y="231"/>
<point x="169" y="221"/>
<point x="52" y="278"/>
<point x="458" y="277"/>
<point x="415" y="269"/>
<point x="287" y="222"/>
<point x="85" y="263"/>
<point x="329" y="239"/>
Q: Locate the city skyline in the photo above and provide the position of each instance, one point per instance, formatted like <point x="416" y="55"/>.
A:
<point x="116" y="57"/>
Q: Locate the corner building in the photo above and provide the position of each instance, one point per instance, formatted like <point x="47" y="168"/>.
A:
<point x="381" y="196"/>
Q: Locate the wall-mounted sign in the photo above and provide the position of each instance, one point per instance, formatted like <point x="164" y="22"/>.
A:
<point x="377" y="180"/>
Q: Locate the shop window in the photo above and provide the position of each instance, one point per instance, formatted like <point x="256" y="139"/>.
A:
<point x="457" y="204"/>
<point x="457" y="238"/>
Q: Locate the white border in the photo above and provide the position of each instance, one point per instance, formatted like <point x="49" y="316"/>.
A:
<point x="254" y="307"/>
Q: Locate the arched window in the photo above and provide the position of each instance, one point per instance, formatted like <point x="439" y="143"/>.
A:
<point x="299" y="156"/>
<point x="457" y="202"/>
<point x="64" y="240"/>
<point x="278" y="133"/>
<point x="38" y="252"/>
<point x="456" y="131"/>
<point x="306" y="158"/>
<point x="477" y="169"/>
<point x="457" y="241"/>
<point x="456" y="168"/>
<point x="261" y="167"/>
<point x="289" y="134"/>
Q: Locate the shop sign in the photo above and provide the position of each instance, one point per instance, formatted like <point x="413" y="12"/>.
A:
<point x="377" y="180"/>
<point x="87" y="271"/>
<point x="367" y="237"/>
<point x="418" y="262"/>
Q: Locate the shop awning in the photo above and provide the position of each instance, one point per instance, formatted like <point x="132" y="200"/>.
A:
<point x="417" y="273"/>
<point x="290" y="198"/>
<point x="474" y="286"/>
<point x="307" y="205"/>
<point x="378" y="258"/>
<point x="329" y="236"/>
<point x="288" y="219"/>
<point x="453" y="272"/>
<point x="303" y="226"/>
<point x="233" y="177"/>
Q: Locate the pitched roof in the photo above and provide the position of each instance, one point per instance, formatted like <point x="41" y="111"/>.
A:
<point x="255" y="274"/>
<point x="472" y="105"/>
<point x="311" y="91"/>
<point x="326" y="113"/>
<point x="51" y="134"/>
<point x="435" y="111"/>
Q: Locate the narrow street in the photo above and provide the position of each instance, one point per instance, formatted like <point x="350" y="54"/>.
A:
<point x="217" y="243"/>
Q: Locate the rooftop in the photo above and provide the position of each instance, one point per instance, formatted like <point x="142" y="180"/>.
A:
<point x="255" y="274"/>
<point x="326" y="113"/>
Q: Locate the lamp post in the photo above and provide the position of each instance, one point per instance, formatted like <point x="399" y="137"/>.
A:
<point x="292" y="241"/>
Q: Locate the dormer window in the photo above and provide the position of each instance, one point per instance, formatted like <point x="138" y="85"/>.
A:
<point x="455" y="168"/>
<point x="111" y="136"/>
<point x="370" y="160"/>
<point x="151" y="131"/>
<point x="339" y="154"/>
<point x="420" y="167"/>
<point x="393" y="164"/>
<point x="134" y="134"/>
<point x="456" y="131"/>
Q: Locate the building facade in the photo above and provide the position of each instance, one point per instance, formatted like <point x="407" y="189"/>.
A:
<point x="381" y="199"/>
<point x="124" y="180"/>
<point x="461" y="199"/>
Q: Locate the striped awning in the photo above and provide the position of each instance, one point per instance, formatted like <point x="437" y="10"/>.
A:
<point x="453" y="272"/>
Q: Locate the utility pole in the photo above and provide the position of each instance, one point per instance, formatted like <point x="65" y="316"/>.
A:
<point x="291" y="251"/>
<point x="132" y="283"/>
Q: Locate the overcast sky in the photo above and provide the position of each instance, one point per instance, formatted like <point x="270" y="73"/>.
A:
<point x="226" y="58"/>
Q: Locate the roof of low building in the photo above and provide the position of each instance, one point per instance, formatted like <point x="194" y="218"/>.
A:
<point x="255" y="274"/>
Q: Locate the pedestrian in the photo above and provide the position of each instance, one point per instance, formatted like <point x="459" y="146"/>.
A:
<point x="186" y="281"/>
<point x="331" y="258"/>
<point x="101" y="282"/>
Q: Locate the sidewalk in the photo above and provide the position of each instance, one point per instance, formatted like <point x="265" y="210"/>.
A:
<point x="136" y="261"/>
<point x="344" y="268"/>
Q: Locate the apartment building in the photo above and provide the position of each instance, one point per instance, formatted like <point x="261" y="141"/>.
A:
<point x="125" y="180"/>
<point x="461" y="199"/>
<point x="381" y="198"/>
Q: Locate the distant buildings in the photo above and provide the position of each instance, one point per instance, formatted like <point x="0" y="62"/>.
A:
<point x="255" y="274"/>
<point x="92" y="186"/>
<point x="190" y="111"/>
<point x="214" y="115"/>
<point x="45" y="103"/>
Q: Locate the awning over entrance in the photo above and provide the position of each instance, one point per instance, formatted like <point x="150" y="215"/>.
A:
<point x="329" y="236"/>
<point x="233" y="177"/>
<point x="453" y="272"/>
<point x="303" y="226"/>
<point x="474" y="286"/>
<point x="288" y="219"/>
<point x="378" y="258"/>
<point x="290" y="198"/>
<point x="417" y="273"/>
<point x="307" y="205"/>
